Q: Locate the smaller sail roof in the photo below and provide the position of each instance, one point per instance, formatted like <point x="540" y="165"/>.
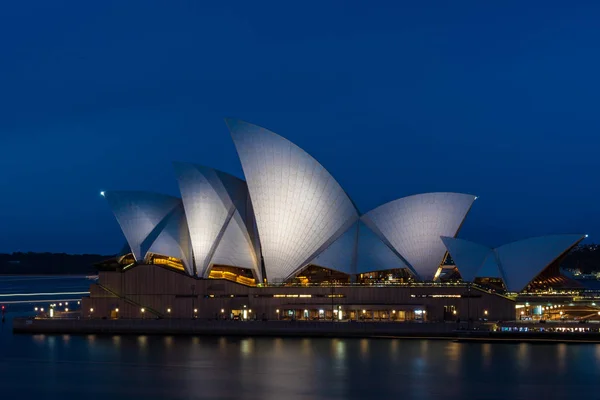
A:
<point x="138" y="214"/>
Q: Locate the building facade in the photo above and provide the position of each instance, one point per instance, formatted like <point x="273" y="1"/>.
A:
<point x="288" y="242"/>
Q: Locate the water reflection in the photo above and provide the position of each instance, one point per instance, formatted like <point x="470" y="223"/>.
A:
<point x="561" y="357"/>
<point x="142" y="342"/>
<point x="246" y="347"/>
<point x="364" y="348"/>
<point x="523" y="356"/>
<point x="486" y="354"/>
<point x="122" y="367"/>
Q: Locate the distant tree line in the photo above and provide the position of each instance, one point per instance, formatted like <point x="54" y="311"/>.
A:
<point x="49" y="263"/>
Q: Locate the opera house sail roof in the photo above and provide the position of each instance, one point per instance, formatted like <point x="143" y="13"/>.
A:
<point x="299" y="207"/>
<point x="152" y="222"/>
<point x="290" y="214"/>
<point x="413" y="225"/>
<point x="216" y="206"/>
<point x="518" y="262"/>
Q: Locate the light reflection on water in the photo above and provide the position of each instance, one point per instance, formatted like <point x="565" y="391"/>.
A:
<point x="173" y="367"/>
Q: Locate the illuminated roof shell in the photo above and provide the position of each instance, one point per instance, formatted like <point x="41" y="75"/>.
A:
<point x="217" y="209"/>
<point x="139" y="214"/>
<point x="413" y="226"/>
<point x="518" y="262"/>
<point x="300" y="208"/>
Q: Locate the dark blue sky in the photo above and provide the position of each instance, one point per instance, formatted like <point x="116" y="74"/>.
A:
<point x="393" y="99"/>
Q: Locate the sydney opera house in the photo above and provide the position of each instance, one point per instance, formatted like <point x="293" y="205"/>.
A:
<point x="287" y="242"/>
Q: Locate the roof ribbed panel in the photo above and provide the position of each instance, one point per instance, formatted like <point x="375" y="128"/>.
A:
<point x="373" y="254"/>
<point x="235" y="247"/>
<point x="341" y="254"/>
<point x="139" y="214"/>
<point x="468" y="256"/>
<point x="523" y="260"/>
<point x="299" y="206"/>
<point x="173" y="240"/>
<point x="210" y="199"/>
<point x="414" y="225"/>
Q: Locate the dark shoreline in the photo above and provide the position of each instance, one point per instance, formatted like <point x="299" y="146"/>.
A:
<point x="429" y="331"/>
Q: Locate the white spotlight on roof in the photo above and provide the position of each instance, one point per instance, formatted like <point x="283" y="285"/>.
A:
<point x="587" y="235"/>
<point x="102" y="193"/>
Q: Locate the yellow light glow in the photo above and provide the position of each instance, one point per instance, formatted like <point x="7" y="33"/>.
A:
<point x="66" y="310"/>
<point x="168" y="310"/>
<point x="277" y="311"/>
<point x="364" y="311"/>
<point x="195" y="310"/>
<point x="454" y="312"/>
<point x="143" y="310"/>
<point x="393" y="311"/>
<point x="485" y="312"/>
<point x="116" y="310"/>
<point x="91" y="310"/>
<point x="222" y="310"/>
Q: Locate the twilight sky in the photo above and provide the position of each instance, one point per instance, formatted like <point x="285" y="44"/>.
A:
<point x="392" y="98"/>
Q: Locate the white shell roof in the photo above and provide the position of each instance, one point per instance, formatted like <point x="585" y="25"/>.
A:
<point x="468" y="256"/>
<point x="299" y="207"/>
<point x="413" y="226"/>
<point x="139" y="213"/>
<point x="341" y="254"/>
<point x="215" y="205"/>
<point x="173" y="239"/>
<point x="357" y="251"/>
<point x="522" y="261"/>
<point x="518" y="263"/>
<point x="373" y="254"/>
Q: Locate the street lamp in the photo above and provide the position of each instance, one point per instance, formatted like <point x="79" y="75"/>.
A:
<point x="277" y="311"/>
